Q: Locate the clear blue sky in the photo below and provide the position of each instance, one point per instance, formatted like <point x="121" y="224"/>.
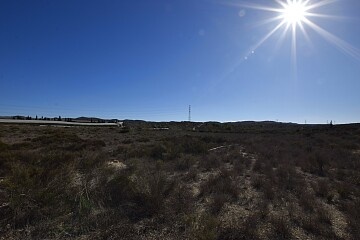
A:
<point x="150" y="59"/>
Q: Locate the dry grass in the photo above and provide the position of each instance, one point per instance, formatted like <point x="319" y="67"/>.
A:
<point x="286" y="182"/>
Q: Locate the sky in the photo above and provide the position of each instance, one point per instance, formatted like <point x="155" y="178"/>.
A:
<point x="150" y="60"/>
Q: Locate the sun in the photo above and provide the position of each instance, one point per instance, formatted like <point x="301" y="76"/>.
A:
<point x="296" y="17"/>
<point x="294" y="12"/>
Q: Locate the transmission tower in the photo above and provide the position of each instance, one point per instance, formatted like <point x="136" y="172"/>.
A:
<point x="189" y="113"/>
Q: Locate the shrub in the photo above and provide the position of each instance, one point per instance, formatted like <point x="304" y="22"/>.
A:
<point x="210" y="161"/>
<point x="3" y="146"/>
<point x="157" y="189"/>
<point x="184" y="163"/>
<point x="157" y="151"/>
<point x="239" y="166"/>
<point x="268" y="190"/>
<point x="180" y="200"/>
<point x="35" y="192"/>
<point x="352" y="210"/>
<point x="122" y="194"/>
<point x="322" y="188"/>
<point x="257" y="181"/>
<point x="281" y="228"/>
<point x="189" y="144"/>
<point x="127" y="141"/>
<point x="344" y="190"/>
<point x="124" y="130"/>
<point x="220" y="184"/>
<point x="313" y="225"/>
<point x="203" y="227"/>
<point x="307" y="201"/>
<point x="323" y="215"/>
<point x="218" y="202"/>
<point x="288" y="179"/>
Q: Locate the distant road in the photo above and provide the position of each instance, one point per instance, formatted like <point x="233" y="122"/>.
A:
<point x="45" y="122"/>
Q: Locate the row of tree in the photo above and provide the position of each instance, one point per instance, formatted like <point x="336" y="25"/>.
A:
<point x="63" y="119"/>
<point x="43" y="118"/>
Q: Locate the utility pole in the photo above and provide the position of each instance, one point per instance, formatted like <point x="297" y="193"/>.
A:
<point x="189" y="113"/>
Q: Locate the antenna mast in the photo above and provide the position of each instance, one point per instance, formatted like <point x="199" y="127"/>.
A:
<point x="189" y="113"/>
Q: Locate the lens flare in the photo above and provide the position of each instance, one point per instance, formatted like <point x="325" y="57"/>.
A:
<point x="297" y="16"/>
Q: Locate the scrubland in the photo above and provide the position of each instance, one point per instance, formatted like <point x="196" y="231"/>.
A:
<point x="209" y="181"/>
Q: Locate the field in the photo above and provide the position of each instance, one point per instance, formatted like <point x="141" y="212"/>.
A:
<point x="180" y="181"/>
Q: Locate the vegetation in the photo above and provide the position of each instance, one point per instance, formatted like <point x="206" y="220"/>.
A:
<point x="217" y="181"/>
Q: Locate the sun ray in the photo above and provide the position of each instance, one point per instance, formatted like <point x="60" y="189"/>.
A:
<point x="253" y="6"/>
<point x="267" y="36"/>
<point x="266" y="21"/>
<point x="282" y="37"/>
<point x="306" y="35"/>
<point x="320" y="4"/>
<point x="293" y="51"/>
<point x="335" y="40"/>
<point x="319" y="15"/>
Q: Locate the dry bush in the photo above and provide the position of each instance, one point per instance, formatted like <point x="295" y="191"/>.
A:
<point x="317" y="222"/>
<point x="187" y="144"/>
<point x="5" y="158"/>
<point x="115" y="229"/>
<point x="184" y="163"/>
<point x="259" y="166"/>
<point x="307" y="201"/>
<point x="323" y="216"/>
<point x="280" y="228"/>
<point x="143" y="139"/>
<point x="221" y="188"/>
<point x="39" y="183"/>
<point x="352" y="210"/>
<point x="122" y="194"/>
<point x="220" y="184"/>
<point x="35" y="193"/>
<point x="317" y="162"/>
<point x="287" y="179"/>
<point x="156" y="151"/>
<point x="158" y="189"/>
<point x="314" y="225"/>
<point x="322" y="189"/>
<point x="344" y="189"/>
<point x="181" y="200"/>
<point x="210" y="161"/>
<point x="202" y="227"/>
<point x="218" y="201"/>
<point x="268" y="190"/>
<point x="240" y="163"/>
<point x="191" y="174"/>
<point x="257" y="181"/>
<point x="127" y="141"/>
<point x="247" y="230"/>
<point x="3" y="146"/>
<point x="239" y="167"/>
